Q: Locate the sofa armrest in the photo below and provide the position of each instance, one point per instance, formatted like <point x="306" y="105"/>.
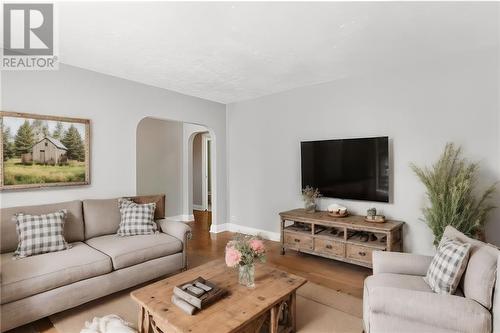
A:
<point x="179" y="230"/>
<point x="400" y="263"/>
<point x="450" y="312"/>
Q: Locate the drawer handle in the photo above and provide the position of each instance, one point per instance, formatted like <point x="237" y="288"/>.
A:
<point x="362" y="254"/>
<point x="297" y="240"/>
<point x="329" y="247"/>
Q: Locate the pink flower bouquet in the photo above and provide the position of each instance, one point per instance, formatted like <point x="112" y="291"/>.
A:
<point x="243" y="252"/>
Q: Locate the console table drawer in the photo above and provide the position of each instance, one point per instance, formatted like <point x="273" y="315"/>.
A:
<point x="297" y="241"/>
<point x="360" y="253"/>
<point x="330" y="247"/>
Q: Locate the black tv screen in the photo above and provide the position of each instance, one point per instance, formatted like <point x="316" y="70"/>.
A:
<point x="348" y="168"/>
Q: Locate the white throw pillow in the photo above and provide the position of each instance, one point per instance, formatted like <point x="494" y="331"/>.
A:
<point x="447" y="266"/>
<point x="136" y="219"/>
<point x="39" y="234"/>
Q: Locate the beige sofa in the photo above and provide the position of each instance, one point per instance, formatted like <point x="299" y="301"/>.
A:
<point x="396" y="298"/>
<point x="99" y="262"/>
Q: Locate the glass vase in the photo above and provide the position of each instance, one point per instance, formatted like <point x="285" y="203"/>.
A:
<point x="246" y="275"/>
<point x="310" y="206"/>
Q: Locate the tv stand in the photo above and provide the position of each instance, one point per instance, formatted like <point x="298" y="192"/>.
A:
<point x="336" y="238"/>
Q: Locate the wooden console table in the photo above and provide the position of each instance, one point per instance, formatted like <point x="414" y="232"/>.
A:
<point x="338" y="238"/>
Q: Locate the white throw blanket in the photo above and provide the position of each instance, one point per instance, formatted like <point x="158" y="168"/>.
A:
<point x="108" y="324"/>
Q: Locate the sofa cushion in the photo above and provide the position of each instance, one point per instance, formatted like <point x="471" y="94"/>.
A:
<point x="132" y="250"/>
<point x="479" y="278"/>
<point x="73" y="227"/>
<point x="409" y="282"/>
<point x="102" y="217"/>
<point x="32" y="275"/>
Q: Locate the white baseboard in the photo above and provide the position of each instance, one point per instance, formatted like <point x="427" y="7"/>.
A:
<point x="216" y="228"/>
<point x="181" y="218"/>
<point x="198" y="207"/>
<point x="274" y="236"/>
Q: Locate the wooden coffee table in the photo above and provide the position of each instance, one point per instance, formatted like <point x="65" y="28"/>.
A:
<point x="270" y="304"/>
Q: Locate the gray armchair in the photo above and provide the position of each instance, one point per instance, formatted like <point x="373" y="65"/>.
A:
<point x="397" y="299"/>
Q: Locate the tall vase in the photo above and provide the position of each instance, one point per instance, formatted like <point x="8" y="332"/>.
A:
<point x="246" y="275"/>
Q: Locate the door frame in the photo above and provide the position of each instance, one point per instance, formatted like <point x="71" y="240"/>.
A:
<point x="205" y="138"/>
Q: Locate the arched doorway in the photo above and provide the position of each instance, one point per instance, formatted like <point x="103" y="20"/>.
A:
<point x="164" y="164"/>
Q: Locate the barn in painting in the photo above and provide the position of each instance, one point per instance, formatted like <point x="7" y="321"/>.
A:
<point x="49" y="151"/>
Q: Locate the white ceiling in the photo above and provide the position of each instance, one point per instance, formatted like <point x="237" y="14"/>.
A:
<point x="228" y="52"/>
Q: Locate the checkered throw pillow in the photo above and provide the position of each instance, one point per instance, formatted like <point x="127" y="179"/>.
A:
<point x="136" y="219"/>
<point x="39" y="234"/>
<point x="447" y="266"/>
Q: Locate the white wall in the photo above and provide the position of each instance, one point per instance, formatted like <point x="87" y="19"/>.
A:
<point x="419" y="108"/>
<point x="115" y="107"/>
<point x="159" y="161"/>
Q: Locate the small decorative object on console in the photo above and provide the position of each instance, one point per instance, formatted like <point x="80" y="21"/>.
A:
<point x="371" y="212"/>
<point x="242" y="252"/>
<point x="335" y="210"/>
<point x="371" y="216"/>
<point x="375" y="218"/>
<point x="309" y="195"/>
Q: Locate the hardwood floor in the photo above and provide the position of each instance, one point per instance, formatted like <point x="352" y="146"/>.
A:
<point x="205" y="246"/>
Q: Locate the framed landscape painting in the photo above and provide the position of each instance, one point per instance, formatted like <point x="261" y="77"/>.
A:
<point x="43" y="151"/>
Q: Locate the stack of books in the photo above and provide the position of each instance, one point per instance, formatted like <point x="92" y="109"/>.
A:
<point x="196" y="295"/>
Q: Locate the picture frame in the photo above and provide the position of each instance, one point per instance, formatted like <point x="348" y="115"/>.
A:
<point x="39" y="151"/>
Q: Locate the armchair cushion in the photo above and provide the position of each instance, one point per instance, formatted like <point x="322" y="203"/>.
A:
<point x="400" y="263"/>
<point x="438" y="310"/>
<point x="399" y="281"/>
<point x="480" y="276"/>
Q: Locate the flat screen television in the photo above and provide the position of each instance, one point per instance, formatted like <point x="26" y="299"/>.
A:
<point x="355" y="169"/>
